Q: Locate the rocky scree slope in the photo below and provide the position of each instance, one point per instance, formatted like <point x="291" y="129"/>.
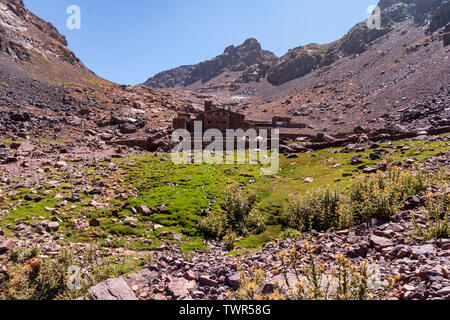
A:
<point x="36" y="47"/>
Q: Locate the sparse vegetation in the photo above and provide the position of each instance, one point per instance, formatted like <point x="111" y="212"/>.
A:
<point x="375" y="196"/>
<point x="437" y="223"/>
<point x="36" y="277"/>
<point x="317" y="209"/>
<point x="345" y="281"/>
<point x="230" y="240"/>
<point x="239" y="215"/>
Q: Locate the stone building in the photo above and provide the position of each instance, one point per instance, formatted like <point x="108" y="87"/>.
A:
<point x="213" y="118"/>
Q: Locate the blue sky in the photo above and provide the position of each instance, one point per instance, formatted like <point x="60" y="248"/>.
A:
<point x="129" y="41"/>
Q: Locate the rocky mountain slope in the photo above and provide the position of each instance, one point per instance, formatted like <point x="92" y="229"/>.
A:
<point x="36" y="47"/>
<point x="257" y="64"/>
<point x="78" y="188"/>
<point x="234" y="59"/>
<point x="397" y="76"/>
<point x="45" y="90"/>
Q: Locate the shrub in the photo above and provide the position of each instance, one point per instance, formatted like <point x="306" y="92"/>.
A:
<point x="17" y="255"/>
<point x="239" y="215"/>
<point x="290" y="233"/>
<point x="436" y="218"/>
<point x="256" y="221"/>
<point x="382" y="194"/>
<point x="250" y="287"/>
<point x="45" y="278"/>
<point x="214" y="225"/>
<point x="375" y="196"/>
<point x="317" y="209"/>
<point x="344" y="281"/>
<point x="39" y="278"/>
<point x="237" y="207"/>
<point x="230" y="240"/>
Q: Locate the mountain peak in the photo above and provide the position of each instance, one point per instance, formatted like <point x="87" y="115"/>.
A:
<point x="234" y="59"/>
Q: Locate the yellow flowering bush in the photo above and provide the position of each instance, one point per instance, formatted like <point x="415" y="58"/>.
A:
<point x="436" y="218"/>
<point x="317" y="209"/>
<point x="375" y="196"/>
<point x="343" y="281"/>
<point x="382" y="194"/>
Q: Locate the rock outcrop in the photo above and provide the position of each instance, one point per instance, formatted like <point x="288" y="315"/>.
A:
<point x="296" y="63"/>
<point x="440" y="18"/>
<point x="233" y="59"/>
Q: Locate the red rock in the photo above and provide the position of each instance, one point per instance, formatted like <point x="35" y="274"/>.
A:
<point x="191" y="275"/>
<point x="6" y="245"/>
<point x="380" y="242"/>
<point x="144" y="210"/>
<point x="180" y="287"/>
<point x="206" y="281"/>
<point x="94" y="222"/>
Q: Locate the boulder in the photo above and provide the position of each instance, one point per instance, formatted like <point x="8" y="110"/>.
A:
<point x="112" y="289"/>
<point x="380" y="242"/>
<point x="80" y="224"/>
<point x="144" y="210"/>
<point x="180" y="287"/>
<point x="356" y="160"/>
<point x="234" y="281"/>
<point x="52" y="226"/>
<point x="358" y="250"/>
<point x="206" y="281"/>
<point x="127" y="128"/>
<point x="427" y="250"/>
<point x="94" y="222"/>
<point x="6" y="245"/>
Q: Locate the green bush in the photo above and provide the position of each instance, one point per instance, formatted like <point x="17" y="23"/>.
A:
<point x="290" y="234"/>
<point x="239" y="215"/>
<point x="39" y="278"/>
<point x="383" y="194"/>
<point x="46" y="278"/>
<point x="214" y="225"/>
<point x="317" y="209"/>
<point x="230" y="240"/>
<point x="375" y="196"/>
<point x="436" y="217"/>
<point x="237" y="207"/>
<point x="256" y="221"/>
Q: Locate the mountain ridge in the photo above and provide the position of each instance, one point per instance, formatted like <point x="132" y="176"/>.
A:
<point x="297" y="62"/>
<point x="234" y="58"/>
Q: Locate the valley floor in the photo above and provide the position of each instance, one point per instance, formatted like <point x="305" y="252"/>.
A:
<point x="131" y="221"/>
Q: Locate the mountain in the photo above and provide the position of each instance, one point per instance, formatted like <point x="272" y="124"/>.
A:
<point x="433" y="14"/>
<point x="36" y="47"/>
<point x="46" y="91"/>
<point x="234" y="59"/>
<point x="254" y="64"/>
<point x="398" y="75"/>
